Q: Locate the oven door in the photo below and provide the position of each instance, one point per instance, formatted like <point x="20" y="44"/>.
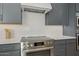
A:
<point x="77" y="41"/>
<point x="77" y="21"/>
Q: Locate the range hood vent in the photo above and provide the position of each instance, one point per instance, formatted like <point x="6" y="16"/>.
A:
<point x="34" y="10"/>
<point x="37" y="7"/>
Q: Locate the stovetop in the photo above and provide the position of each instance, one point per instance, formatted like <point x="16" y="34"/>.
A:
<point x="35" y="38"/>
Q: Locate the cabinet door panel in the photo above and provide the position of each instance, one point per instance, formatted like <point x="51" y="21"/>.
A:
<point x="58" y="15"/>
<point x="71" y="49"/>
<point x="70" y="30"/>
<point x="11" y="13"/>
<point x="59" y="48"/>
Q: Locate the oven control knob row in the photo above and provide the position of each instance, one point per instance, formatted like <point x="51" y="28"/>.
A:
<point x="29" y="45"/>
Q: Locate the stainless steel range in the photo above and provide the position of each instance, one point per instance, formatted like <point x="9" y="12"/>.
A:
<point x="77" y="41"/>
<point x="36" y="44"/>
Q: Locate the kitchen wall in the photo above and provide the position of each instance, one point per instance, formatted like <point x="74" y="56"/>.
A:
<point x="33" y="24"/>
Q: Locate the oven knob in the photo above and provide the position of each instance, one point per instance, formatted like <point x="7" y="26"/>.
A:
<point x="27" y="45"/>
<point x="31" y="45"/>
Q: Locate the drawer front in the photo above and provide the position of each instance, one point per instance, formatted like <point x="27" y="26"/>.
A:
<point x="57" y="42"/>
<point x="61" y="46"/>
<point x="71" y="41"/>
<point x="11" y="53"/>
<point x="6" y="47"/>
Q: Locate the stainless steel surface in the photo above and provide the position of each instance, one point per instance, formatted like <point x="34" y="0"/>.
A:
<point x="36" y="43"/>
<point x="35" y="38"/>
<point x="77" y="43"/>
<point x="77" y="21"/>
<point x="31" y="45"/>
<point x="31" y="41"/>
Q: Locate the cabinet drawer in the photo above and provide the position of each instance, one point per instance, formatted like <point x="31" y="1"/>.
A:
<point x="10" y="53"/>
<point x="58" y="42"/>
<point x="71" y="41"/>
<point x="61" y="46"/>
<point x="7" y="47"/>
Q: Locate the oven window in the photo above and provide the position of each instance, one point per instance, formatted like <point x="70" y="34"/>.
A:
<point x="78" y="20"/>
<point x="78" y="40"/>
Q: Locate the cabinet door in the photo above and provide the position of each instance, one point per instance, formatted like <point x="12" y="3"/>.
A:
<point x="59" y="48"/>
<point x="1" y="20"/>
<point x="58" y="15"/>
<point x="77" y="6"/>
<point x="71" y="47"/>
<point x="12" y="13"/>
<point x="70" y="30"/>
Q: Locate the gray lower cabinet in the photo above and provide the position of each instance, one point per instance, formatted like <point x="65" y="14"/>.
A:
<point x="59" y="48"/>
<point x="10" y="49"/>
<point x="12" y="13"/>
<point x="71" y="47"/>
<point x="66" y="47"/>
<point x="58" y="15"/>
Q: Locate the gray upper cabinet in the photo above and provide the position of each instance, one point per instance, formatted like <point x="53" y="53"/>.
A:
<point x="1" y="13"/>
<point x="12" y="13"/>
<point x="77" y="7"/>
<point x="58" y="15"/>
<point x="70" y="30"/>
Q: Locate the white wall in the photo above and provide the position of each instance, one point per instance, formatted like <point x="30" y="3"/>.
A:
<point x="33" y="24"/>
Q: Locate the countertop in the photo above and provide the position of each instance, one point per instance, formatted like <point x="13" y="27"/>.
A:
<point x="9" y="41"/>
<point x="61" y="37"/>
<point x="41" y="38"/>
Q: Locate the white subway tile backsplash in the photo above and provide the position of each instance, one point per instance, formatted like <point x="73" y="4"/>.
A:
<point x="33" y="24"/>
